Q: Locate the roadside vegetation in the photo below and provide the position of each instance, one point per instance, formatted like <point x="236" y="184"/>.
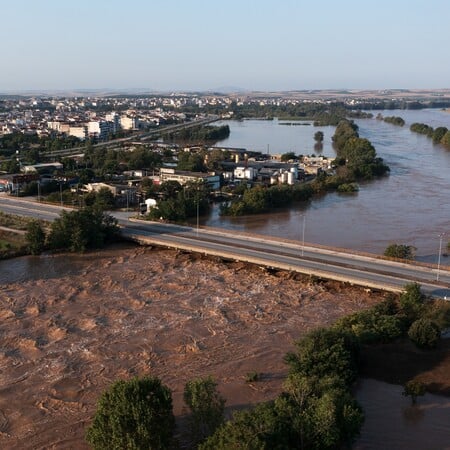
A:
<point x="315" y="410"/>
<point x="74" y="231"/>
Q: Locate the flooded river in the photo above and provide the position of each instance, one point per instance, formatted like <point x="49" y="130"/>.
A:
<point x="410" y="206"/>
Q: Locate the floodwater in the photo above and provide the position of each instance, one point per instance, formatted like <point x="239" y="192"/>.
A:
<point x="410" y="206"/>
<point x="392" y="423"/>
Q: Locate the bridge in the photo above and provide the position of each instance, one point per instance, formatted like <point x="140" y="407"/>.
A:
<point x="336" y="264"/>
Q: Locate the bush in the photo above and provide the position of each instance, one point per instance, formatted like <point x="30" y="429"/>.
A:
<point x="400" y="251"/>
<point x="135" y="414"/>
<point x="424" y="333"/>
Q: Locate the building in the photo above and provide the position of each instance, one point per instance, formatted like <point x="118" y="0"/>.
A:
<point x="183" y="177"/>
<point x="245" y="173"/>
<point x="129" y="123"/>
<point x="100" y="129"/>
<point x="79" y="131"/>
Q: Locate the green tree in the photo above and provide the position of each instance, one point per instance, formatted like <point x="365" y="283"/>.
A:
<point x="104" y="199"/>
<point x="288" y="156"/>
<point x="318" y="136"/>
<point x="135" y="415"/>
<point x="400" y="251"/>
<point x="438" y="134"/>
<point x="424" y="333"/>
<point x="326" y="352"/>
<point x="411" y="302"/>
<point x="446" y="139"/>
<point x="414" y="389"/>
<point x="35" y="237"/>
<point x="80" y="230"/>
<point x="206" y="406"/>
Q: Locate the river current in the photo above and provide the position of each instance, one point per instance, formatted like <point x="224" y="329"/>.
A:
<point x="410" y="206"/>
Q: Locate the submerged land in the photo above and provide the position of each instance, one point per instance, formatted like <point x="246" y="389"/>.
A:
<point x="74" y="324"/>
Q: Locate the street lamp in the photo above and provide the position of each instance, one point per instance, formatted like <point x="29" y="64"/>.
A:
<point x="303" y="234"/>
<point x="60" y="191"/>
<point x="439" y="255"/>
<point x="39" y="191"/>
<point x="198" y="201"/>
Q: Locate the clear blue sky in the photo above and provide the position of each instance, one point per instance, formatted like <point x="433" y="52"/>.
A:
<point x="208" y="44"/>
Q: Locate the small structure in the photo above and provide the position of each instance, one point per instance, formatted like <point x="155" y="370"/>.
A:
<point x="210" y="179"/>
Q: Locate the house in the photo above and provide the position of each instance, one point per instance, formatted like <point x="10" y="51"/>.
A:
<point x="182" y="176"/>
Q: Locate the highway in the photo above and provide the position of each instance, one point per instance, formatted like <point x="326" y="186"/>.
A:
<point x="368" y="271"/>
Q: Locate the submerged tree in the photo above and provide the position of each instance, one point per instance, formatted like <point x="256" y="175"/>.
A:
<point x="206" y="406"/>
<point x="135" y="414"/>
<point x="414" y="389"/>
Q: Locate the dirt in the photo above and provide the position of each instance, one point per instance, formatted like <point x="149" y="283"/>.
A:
<point x="124" y="312"/>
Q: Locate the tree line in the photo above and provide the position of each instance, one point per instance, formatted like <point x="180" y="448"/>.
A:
<point x="439" y="135"/>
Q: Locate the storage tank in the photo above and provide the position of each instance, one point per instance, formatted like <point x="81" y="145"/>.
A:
<point x="290" y="178"/>
<point x="284" y="177"/>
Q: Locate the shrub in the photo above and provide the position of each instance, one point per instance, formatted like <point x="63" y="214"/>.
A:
<point x="424" y="333"/>
<point x="414" y="389"/>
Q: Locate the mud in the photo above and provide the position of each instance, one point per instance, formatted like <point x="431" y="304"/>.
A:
<point x="71" y="325"/>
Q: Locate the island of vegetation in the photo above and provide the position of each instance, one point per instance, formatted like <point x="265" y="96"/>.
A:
<point x="394" y="120"/>
<point x="439" y="135"/>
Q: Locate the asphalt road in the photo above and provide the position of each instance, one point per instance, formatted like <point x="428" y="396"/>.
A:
<point x="367" y="271"/>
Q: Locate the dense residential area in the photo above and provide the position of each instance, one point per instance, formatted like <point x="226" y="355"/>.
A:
<point x="127" y="150"/>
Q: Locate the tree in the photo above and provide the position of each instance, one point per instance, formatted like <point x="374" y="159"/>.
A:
<point x="206" y="406"/>
<point x="400" y="251"/>
<point x="446" y="139"/>
<point x="35" y="237"/>
<point x="104" y="199"/>
<point x="438" y="134"/>
<point x="411" y="302"/>
<point x="414" y="389"/>
<point x="318" y="136"/>
<point x="135" y="414"/>
<point x="288" y="156"/>
<point x="326" y="352"/>
<point x="424" y="333"/>
<point x="79" y="230"/>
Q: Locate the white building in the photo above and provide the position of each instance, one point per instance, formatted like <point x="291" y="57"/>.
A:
<point x="129" y="123"/>
<point x="79" y="131"/>
<point x="245" y="173"/>
<point x="100" y="129"/>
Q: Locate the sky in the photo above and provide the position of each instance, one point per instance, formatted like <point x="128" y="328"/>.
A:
<point x="198" y="45"/>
